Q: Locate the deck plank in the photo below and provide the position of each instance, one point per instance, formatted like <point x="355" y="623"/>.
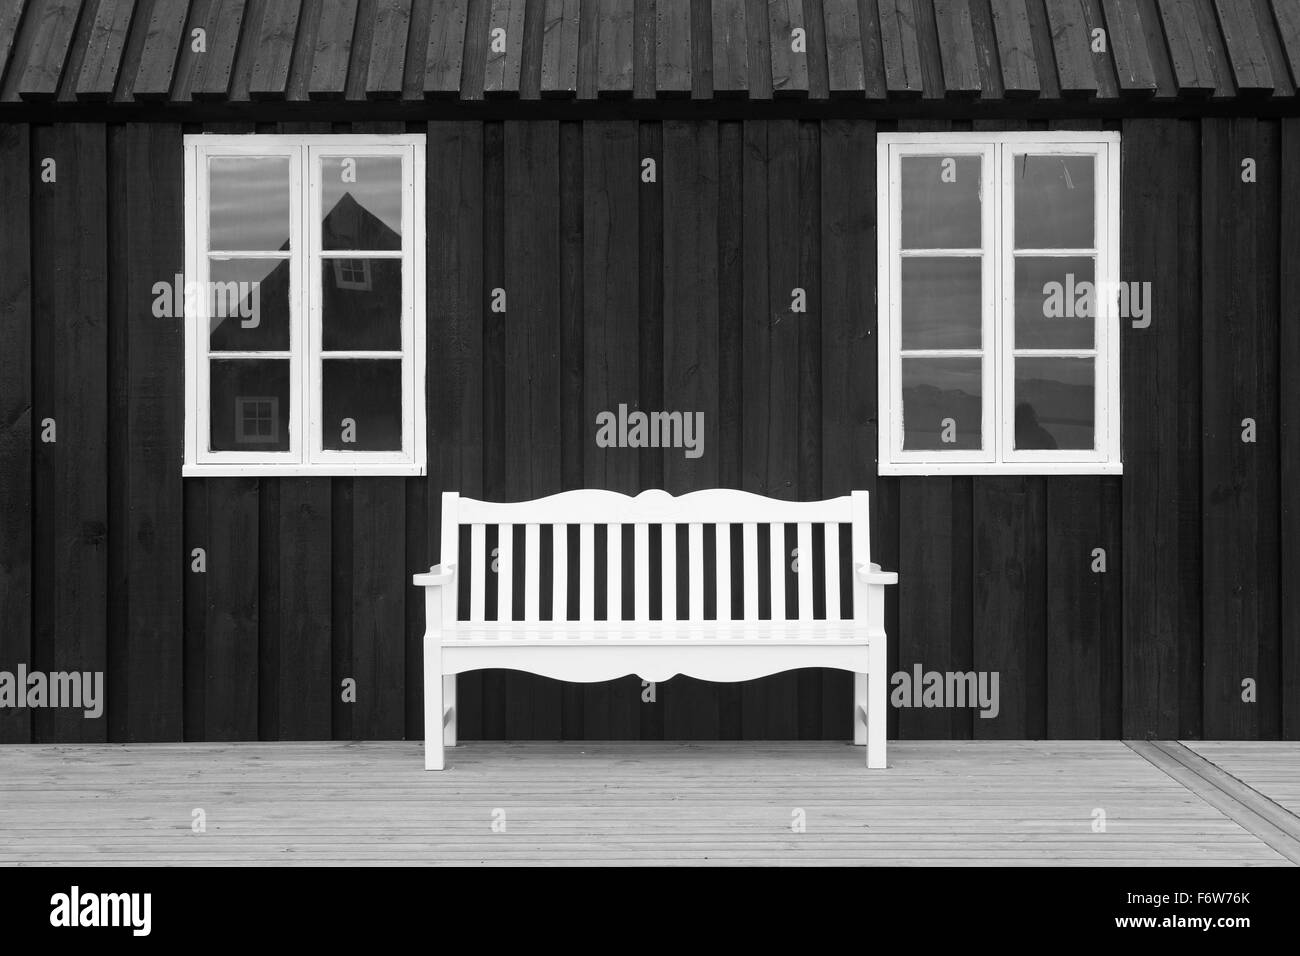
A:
<point x="949" y="802"/>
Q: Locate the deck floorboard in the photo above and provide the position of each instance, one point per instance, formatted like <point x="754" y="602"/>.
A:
<point x="941" y="802"/>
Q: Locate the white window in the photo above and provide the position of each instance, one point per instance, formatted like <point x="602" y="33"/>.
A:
<point x="304" y="305"/>
<point x="998" y="306"/>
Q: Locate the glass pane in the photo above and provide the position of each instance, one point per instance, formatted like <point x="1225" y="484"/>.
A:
<point x="250" y="405"/>
<point x="248" y="301"/>
<point x="1054" y="403"/>
<point x="361" y="403"/>
<point x="1056" y="303"/>
<point x="1054" y="202"/>
<point x="941" y="202"/>
<point x="941" y="303"/>
<point x="248" y="202"/>
<point x="941" y="403"/>
<point x="361" y="304"/>
<point x="361" y="203"/>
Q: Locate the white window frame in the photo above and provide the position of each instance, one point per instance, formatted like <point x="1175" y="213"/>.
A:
<point x="998" y="455"/>
<point x="305" y="455"/>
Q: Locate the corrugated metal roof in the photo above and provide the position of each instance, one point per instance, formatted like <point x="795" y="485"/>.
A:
<point x="181" y="51"/>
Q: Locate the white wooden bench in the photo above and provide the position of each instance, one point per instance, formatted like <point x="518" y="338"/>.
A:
<point x="737" y="645"/>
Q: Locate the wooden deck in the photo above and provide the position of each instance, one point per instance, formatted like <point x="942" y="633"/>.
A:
<point x="960" y="803"/>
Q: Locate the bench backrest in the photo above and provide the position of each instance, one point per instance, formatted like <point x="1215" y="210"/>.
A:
<point x="595" y="555"/>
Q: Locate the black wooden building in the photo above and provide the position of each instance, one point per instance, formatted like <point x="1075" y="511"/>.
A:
<point x="673" y="293"/>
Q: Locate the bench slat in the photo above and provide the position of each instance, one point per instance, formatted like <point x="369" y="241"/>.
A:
<point x="641" y="570"/>
<point x="532" y="572"/>
<point x="750" y="569"/>
<point x="587" y="569"/>
<point x="696" y="545"/>
<point x="805" y="572"/>
<point x="724" y="571"/>
<point x="776" y="547"/>
<point x="614" y="572"/>
<point x="832" y="572"/>
<point x="478" y="569"/>
<point x="560" y="572"/>
<point x="505" y="572"/>
<point x="669" y="550"/>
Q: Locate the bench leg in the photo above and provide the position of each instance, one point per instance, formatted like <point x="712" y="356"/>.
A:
<point x="433" y="757"/>
<point x="877" y="708"/>
<point x="860" y="698"/>
<point x="449" y="705"/>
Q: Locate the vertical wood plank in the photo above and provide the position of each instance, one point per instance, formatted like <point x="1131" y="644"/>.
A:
<point x="213" y="72"/>
<point x="1082" y="605"/>
<point x="51" y="29"/>
<point x="103" y="56"/>
<point x="379" y="582"/>
<point x="689" y="177"/>
<point x="925" y="591"/>
<point x="162" y="43"/>
<point x="444" y="55"/>
<point x="957" y="47"/>
<point x="454" y="194"/>
<point x="1245" y="46"/>
<point x="614" y="47"/>
<point x="270" y="75"/>
<point x="304" y="690"/>
<point x="70" y="386"/>
<point x="901" y="53"/>
<point x="560" y="48"/>
<point x="1126" y="35"/>
<point x="1150" y="429"/>
<point x="730" y="48"/>
<point x="392" y="23"/>
<point x="789" y="65"/>
<point x="845" y="69"/>
<point x="1015" y="48"/>
<point x="332" y="54"/>
<point x="505" y="50"/>
<point x="1189" y="51"/>
<point x="1009" y="638"/>
<point x="1072" y="45"/>
<point x="16" y="418"/>
<point x="147" y="243"/>
<point x="231" y="625"/>
<point x="611" y="366"/>
<point x="673" y="47"/>
<point x="1289" y="438"/>
<point x="532" y="365"/>
<point x="1240" y="528"/>
<point x="690" y="303"/>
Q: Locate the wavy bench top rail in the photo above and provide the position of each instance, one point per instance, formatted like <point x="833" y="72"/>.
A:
<point x="595" y="506"/>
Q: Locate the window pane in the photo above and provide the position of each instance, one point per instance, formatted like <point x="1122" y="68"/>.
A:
<point x="941" y="403"/>
<point x="941" y="306"/>
<point x="1055" y="403"/>
<point x="361" y="304"/>
<point x="941" y="202"/>
<point x="1054" y="202"/>
<point x="250" y="405"/>
<point x="1056" y="304"/>
<point x="361" y="203"/>
<point x="361" y="403"/>
<point x="248" y="301"/>
<point x="248" y="202"/>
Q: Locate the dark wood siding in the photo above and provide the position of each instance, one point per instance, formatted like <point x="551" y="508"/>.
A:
<point x="672" y="294"/>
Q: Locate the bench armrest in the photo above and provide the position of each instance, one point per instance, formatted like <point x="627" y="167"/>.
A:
<point x="438" y="575"/>
<point x="872" y="574"/>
